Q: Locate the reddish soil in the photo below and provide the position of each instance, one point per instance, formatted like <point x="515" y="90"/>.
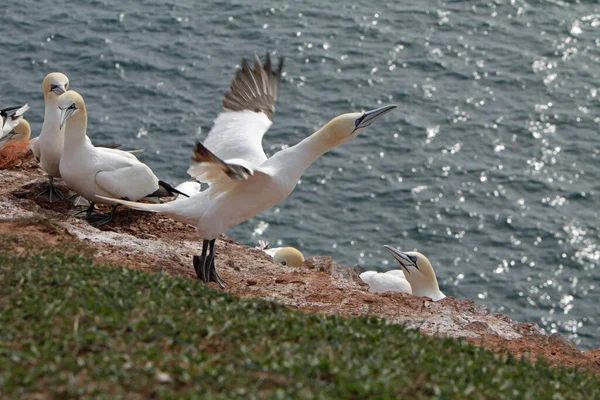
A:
<point x="155" y="244"/>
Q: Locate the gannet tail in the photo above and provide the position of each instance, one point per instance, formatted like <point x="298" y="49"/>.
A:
<point x="138" y="206"/>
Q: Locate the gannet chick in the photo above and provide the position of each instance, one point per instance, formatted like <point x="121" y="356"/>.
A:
<point x="289" y="256"/>
<point x="15" y="145"/>
<point x="10" y="118"/>
<point x="48" y="146"/>
<point x="418" y="272"/>
<point x="95" y="171"/>
<point x="242" y="181"/>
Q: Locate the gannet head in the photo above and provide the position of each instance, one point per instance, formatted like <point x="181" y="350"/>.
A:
<point x="22" y="132"/>
<point x="346" y="127"/>
<point x="289" y="256"/>
<point x="70" y="104"/>
<point x="55" y="84"/>
<point x="418" y="272"/>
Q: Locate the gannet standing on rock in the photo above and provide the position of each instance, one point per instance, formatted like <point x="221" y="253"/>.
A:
<point x="48" y="146"/>
<point x="97" y="171"/>
<point x="418" y="277"/>
<point x="11" y="117"/>
<point x="243" y="182"/>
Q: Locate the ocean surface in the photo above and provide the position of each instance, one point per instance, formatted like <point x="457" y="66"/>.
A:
<point x="490" y="165"/>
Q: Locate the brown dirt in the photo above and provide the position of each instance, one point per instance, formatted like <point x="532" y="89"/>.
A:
<point x="152" y="243"/>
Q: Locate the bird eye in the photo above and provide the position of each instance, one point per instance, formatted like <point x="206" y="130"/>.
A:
<point x="413" y="259"/>
<point x="283" y="262"/>
<point x="72" y="107"/>
<point x="358" y="121"/>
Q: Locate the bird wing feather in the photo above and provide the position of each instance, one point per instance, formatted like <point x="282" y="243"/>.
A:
<point x="10" y="117"/>
<point x="221" y="176"/>
<point x="124" y="176"/>
<point x="249" y="106"/>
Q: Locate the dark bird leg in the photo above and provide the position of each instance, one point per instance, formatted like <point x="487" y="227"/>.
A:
<point x="205" y="264"/>
<point x="51" y="190"/>
<point x="199" y="260"/>
<point x="212" y="273"/>
<point x="88" y="212"/>
<point x="101" y="220"/>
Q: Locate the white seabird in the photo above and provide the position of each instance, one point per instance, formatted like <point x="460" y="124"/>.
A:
<point x="289" y="256"/>
<point x="11" y="117"/>
<point x="96" y="173"/>
<point x="48" y="146"/>
<point x="19" y="135"/>
<point x="418" y="277"/>
<point x="243" y="182"/>
<point x="15" y="145"/>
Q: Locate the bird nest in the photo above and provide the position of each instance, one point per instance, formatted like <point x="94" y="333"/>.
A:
<point x="12" y="153"/>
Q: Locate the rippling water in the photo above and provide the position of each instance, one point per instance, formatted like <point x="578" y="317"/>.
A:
<point x="489" y="166"/>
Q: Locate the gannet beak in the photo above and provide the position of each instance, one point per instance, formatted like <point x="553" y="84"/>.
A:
<point x="65" y="114"/>
<point x="57" y="89"/>
<point x="403" y="259"/>
<point x="369" y="116"/>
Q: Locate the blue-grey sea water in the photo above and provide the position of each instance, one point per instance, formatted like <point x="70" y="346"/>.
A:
<point x="489" y="166"/>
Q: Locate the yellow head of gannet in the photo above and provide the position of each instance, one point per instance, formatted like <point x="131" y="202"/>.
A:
<point x="55" y="84"/>
<point x="22" y="132"/>
<point x="70" y="105"/>
<point x="15" y="145"/>
<point x="288" y="256"/>
<point x="419" y="273"/>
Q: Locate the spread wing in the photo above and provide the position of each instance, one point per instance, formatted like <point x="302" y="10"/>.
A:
<point x="221" y="176"/>
<point x="249" y="108"/>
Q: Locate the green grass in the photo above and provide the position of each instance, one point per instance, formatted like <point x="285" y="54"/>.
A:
<point x="71" y="329"/>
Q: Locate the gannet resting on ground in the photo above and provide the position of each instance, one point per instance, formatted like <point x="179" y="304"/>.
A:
<point x="11" y="117"/>
<point x="15" y="145"/>
<point x="243" y="182"/>
<point x="20" y="134"/>
<point x="289" y="256"/>
<point x="417" y="278"/>
<point x="97" y="171"/>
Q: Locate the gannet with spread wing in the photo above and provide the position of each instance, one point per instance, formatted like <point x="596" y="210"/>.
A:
<point x="242" y="181"/>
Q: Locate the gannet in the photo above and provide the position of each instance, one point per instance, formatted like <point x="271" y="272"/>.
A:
<point x="242" y="181"/>
<point x="282" y="255"/>
<point x="11" y="117"/>
<point x="48" y="146"/>
<point x="96" y="171"/>
<point x="418" y="277"/>
<point x="19" y="135"/>
<point x="15" y="145"/>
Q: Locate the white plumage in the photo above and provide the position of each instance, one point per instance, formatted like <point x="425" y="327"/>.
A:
<point x="417" y="276"/>
<point x="95" y="171"/>
<point x="10" y="118"/>
<point x="242" y="181"/>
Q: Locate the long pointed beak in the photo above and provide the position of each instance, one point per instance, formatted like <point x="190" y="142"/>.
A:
<point x="58" y="89"/>
<point x="370" y="116"/>
<point x="65" y="114"/>
<point x="401" y="257"/>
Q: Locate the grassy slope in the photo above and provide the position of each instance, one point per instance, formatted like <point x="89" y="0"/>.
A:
<point x="69" y="328"/>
